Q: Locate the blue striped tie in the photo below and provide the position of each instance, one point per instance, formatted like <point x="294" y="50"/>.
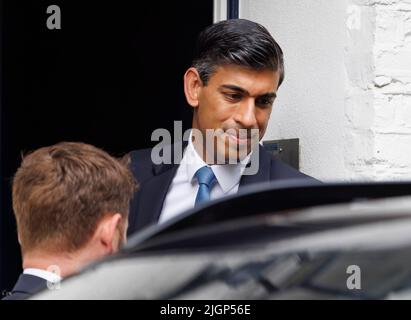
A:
<point x="206" y="180"/>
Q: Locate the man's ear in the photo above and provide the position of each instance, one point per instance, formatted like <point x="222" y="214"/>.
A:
<point x="192" y="86"/>
<point x="109" y="234"/>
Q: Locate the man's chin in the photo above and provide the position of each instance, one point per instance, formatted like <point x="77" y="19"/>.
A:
<point x="234" y="156"/>
<point x="229" y="151"/>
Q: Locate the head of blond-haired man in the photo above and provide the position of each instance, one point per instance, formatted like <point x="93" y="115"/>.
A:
<point x="71" y="203"/>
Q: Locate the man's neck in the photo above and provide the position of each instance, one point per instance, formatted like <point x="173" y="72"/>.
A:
<point x="62" y="264"/>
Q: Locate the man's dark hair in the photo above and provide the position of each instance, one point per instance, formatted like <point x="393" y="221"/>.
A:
<point x="239" y="42"/>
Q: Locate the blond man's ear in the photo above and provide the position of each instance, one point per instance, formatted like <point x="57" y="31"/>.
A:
<point x="109" y="232"/>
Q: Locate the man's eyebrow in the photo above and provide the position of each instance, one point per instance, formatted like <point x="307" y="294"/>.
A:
<point x="243" y="91"/>
<point x="235" y="88"/>
<point x="269" y="95"/>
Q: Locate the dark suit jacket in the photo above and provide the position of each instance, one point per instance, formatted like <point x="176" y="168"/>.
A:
<point x="154" y="181"/>
<point x="26" y="286"/>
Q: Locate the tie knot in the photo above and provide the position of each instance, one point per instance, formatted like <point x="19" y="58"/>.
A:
<point x="205" y="175"/>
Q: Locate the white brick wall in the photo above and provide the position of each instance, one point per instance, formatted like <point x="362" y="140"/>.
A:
<point x="392" y="89"/>
<point x="347" y="94"/>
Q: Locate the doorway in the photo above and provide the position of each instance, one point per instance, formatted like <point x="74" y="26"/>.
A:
<point x="110" y="76"/>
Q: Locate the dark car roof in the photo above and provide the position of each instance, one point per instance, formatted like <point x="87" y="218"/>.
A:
<point x="269" y="198"/>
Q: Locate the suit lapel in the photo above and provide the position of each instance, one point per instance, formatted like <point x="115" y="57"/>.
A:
<point x="153" y="191"/>
<point x="152" y="195"/>
<point x="263" y="174"/>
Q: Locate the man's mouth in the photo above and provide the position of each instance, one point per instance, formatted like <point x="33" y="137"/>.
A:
<point x="238" y="137"/>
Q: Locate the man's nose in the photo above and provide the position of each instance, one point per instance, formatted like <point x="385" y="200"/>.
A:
<point x="245" y="114"/>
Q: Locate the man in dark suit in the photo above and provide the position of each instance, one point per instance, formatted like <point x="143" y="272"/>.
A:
<point x="71" y="205"/>
<point x="28" y="285"/>
<point x="231" y="87"/>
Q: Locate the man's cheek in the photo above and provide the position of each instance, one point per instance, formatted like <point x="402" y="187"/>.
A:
<point x="262" y="126"/>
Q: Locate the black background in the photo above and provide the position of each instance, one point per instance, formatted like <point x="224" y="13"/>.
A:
<point x="109" y="77"/>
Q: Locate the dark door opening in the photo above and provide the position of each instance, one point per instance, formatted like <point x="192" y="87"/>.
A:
<point x="110" y="76"/>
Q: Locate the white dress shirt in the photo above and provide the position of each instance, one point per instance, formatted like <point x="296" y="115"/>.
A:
<point x="184" y="187"/>
<point x="44" y="274"/>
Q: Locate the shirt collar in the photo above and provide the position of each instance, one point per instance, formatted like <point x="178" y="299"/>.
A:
<point x="44" y="274"/>
<point x="192" y="160"/>
<point x="227" y="175"/>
